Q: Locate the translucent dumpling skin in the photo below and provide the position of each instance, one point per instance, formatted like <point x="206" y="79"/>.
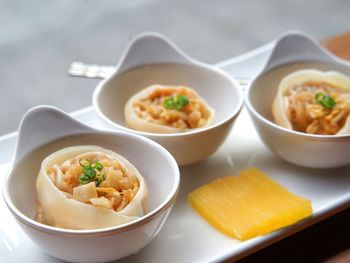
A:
<point x="114" y="194"/>
<point x="313" y="102"/>
<point x="145" y="110"/>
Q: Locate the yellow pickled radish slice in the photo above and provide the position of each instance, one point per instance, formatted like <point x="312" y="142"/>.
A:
<point x="248" y="205"/>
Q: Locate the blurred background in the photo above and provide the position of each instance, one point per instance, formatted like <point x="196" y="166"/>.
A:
<point x="39" y="39"/>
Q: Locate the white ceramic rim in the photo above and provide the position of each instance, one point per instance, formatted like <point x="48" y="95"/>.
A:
<point x="167" y="203"/>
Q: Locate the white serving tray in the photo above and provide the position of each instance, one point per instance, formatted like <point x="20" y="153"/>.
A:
<point x="186" y="236"/>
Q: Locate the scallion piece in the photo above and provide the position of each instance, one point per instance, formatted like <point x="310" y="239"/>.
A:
<point x="325" y="100"/>
<point x="98" y="166"/>
<point x="90" y="172"/>
<point x="180" y="102"/>
<point x="98" y="181"/>
<point x="83" y="179"/>
<point x="169" y="102"/>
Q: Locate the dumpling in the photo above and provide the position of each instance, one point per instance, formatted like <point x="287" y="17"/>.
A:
<point x="314" y="102"/>
<point x="89" y="187"/>
<point x="167" y="109"/>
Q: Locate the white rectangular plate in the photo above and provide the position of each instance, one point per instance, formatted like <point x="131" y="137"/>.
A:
<point x="186" y="236"/>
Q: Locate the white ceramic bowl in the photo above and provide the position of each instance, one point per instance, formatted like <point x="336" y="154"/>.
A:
<point x="215" y="86"/>
<point x="317" y="151"/>
<point x="44" y="130"/>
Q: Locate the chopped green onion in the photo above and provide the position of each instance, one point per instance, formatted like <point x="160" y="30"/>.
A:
<point x="181" y="101"/>
<point x="83" y="179"/>
<point x="319" y="95"/>
<point x="82" y="165"/>
<point x="98" y="181"/>
<point x="89" y="172"/>
<point x="169" y="102"/>
<point x="325" y="100"/>
<point x="98" y="166"/>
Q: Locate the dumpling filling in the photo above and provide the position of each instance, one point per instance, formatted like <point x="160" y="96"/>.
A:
<point x="89" y="184"/>
<point x="112" y="187"/>
<point x="167" y="109"/>
<point x="314" y="102"/>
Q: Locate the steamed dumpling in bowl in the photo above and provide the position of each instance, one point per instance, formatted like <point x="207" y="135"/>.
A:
<point x="314" y="102"/>
<point x="167" y="109"/>
<point x="89" y="187"/>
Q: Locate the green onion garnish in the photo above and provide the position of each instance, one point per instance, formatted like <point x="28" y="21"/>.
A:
<point x="100" y="178"/>
<point x="180" y="102"/>
<point x="98" y="166"/>
<point x="89" y="173"/>
<point x="83" y="179"/>
<point x="325" y="100"/>
<point x="98" y="181"/>
<point x="169" y="102"/>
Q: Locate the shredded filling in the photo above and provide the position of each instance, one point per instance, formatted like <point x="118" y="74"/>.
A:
<point x="307" y="115"/>
<point x="116" y="187"/>
<point x="193" y="115"/>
